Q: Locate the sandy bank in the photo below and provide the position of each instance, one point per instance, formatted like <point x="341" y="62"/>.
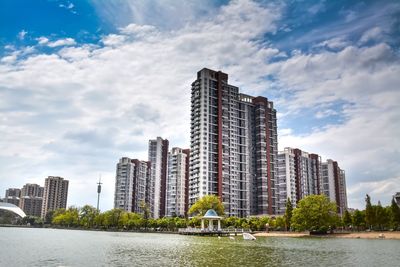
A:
<point x="363" y="235"/>
<point x="369" y="235"/>
<point x="283" y="234"/>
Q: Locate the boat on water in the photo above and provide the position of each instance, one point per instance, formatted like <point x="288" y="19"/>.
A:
<point x="248" y="236"/>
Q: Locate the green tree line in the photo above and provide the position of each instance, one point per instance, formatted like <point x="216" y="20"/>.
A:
<point x="313" y="213"/>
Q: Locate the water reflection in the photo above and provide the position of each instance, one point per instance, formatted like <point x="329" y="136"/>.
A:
<point x="49" y="247"/>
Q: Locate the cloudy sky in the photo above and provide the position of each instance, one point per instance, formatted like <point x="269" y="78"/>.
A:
<point x="83" y="83"/>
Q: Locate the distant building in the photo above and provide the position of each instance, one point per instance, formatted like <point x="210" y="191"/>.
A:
<point x="13" y="192"/>
<point x="55" y="194"/>
<point x="31" y="205"/>
<point x="397" y="198"/>
<point x="32" y="190"/>
<point x="131" y="180"/>
<point x="334" y="184"/>
<point x="299" y="175"/>
<point x="177" y="182"/>
<point x="158" y="156"/>
<point x="32" y="199"/>
<point x="12" y="196"/>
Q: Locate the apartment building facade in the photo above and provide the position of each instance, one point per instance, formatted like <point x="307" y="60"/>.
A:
<point x="177" y="182"/>
<point x="158" y="156"/>
<point x="299" y="175"/>
<point x="132" y="176"/>
<point x="12" y="196"/>
<point x="334" y="184"/>
<point x="233" y="146"/>
<point x="55" y="194"/>
<point x="31" y="201"/>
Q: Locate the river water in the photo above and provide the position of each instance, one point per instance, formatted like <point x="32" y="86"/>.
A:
<point x="53" y="247"/>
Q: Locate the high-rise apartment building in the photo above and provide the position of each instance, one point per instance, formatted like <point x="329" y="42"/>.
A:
<point x="131" y="180"/>
<point x="12" y="196"/>
<point x="55" y="194"/>
<point x="334" y="184"/>
<point x="299" y="175"/>
<point x="177" y="182"/>
<point x="32" y="199"/>
<point x="233" y="146"/>
<point x="158" y="156"/>
<point x="32" y="190"/>
<point x="31" y="205"/>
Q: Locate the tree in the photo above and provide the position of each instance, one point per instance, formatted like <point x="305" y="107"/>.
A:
<point x="67" y="218"/>
<point x="72" y="217"/>
<point x="359" y="219"/>
<point x="112" y="218"/>
<point x="288" y="214"/>
<point x="381" y="216"/>
<point x="32" y="220"/>
<point x="347" y="218"/>
<point x="280" y="223"/>
<point x="87" y="215"/>
<point x="230" y="221"/>
<point x="394" y="215"/>
<point x="49" y="217"/>
<point x="314" y="213"/>
<point x="369" y="212"/>
<point x="205" y="203"/>
<point x="132" y="220"/>
<point x="145" y="207"/>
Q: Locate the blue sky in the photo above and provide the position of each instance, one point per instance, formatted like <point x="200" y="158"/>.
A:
<point x="83" y="83"/>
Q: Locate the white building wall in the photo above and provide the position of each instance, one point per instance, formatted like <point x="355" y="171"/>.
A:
<point x="123" y="184"/>
<point x="175" y="202"/>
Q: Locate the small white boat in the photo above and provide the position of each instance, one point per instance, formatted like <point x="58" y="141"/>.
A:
<point x="248" y="236"/>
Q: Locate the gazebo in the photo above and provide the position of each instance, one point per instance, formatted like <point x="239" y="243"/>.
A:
<point x="211" y="216"/>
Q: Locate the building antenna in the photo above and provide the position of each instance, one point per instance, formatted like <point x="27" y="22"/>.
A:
<point x="98" y="192"/>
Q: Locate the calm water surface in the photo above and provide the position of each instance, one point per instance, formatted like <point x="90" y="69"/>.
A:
<point x="51" y="247"/>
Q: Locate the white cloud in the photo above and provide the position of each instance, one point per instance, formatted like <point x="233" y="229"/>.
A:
<point x="86" y="106"/>
<point x="325" y="113"/>
<point x="371" y="34"/>
<point x="62" y="42"/>
<point x="9" y="59"/>
<point x="335" y="43"/>
<point x="113" y="40"/>
<point x="42" y="40"/>
<point x="136" y="30"/>
<point x="366" y="143"/>
<point x="21" y="34"/>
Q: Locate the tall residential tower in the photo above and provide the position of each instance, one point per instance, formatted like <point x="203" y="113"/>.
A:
<point x="177" y="182"/>
<point x="55" y="194"/>
<point x="158" y="156"/>
<point x="131" y="180"/>
<point x="334" y="184"/>
<point x="299" y="175"/>
<point x="233" y="146"/>
<point x="31" y="201"/>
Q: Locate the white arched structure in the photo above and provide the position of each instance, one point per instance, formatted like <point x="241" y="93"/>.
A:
<point x="12" y="208"/>
<point x="211" y="215"/>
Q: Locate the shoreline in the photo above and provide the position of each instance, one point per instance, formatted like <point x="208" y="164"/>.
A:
<point x="354" y="235"/>
<point x="88" y="229"/>
<point x="395" y="235"/>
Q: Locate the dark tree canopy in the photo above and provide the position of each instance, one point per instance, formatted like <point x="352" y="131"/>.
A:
<point x="288" y="213"/>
